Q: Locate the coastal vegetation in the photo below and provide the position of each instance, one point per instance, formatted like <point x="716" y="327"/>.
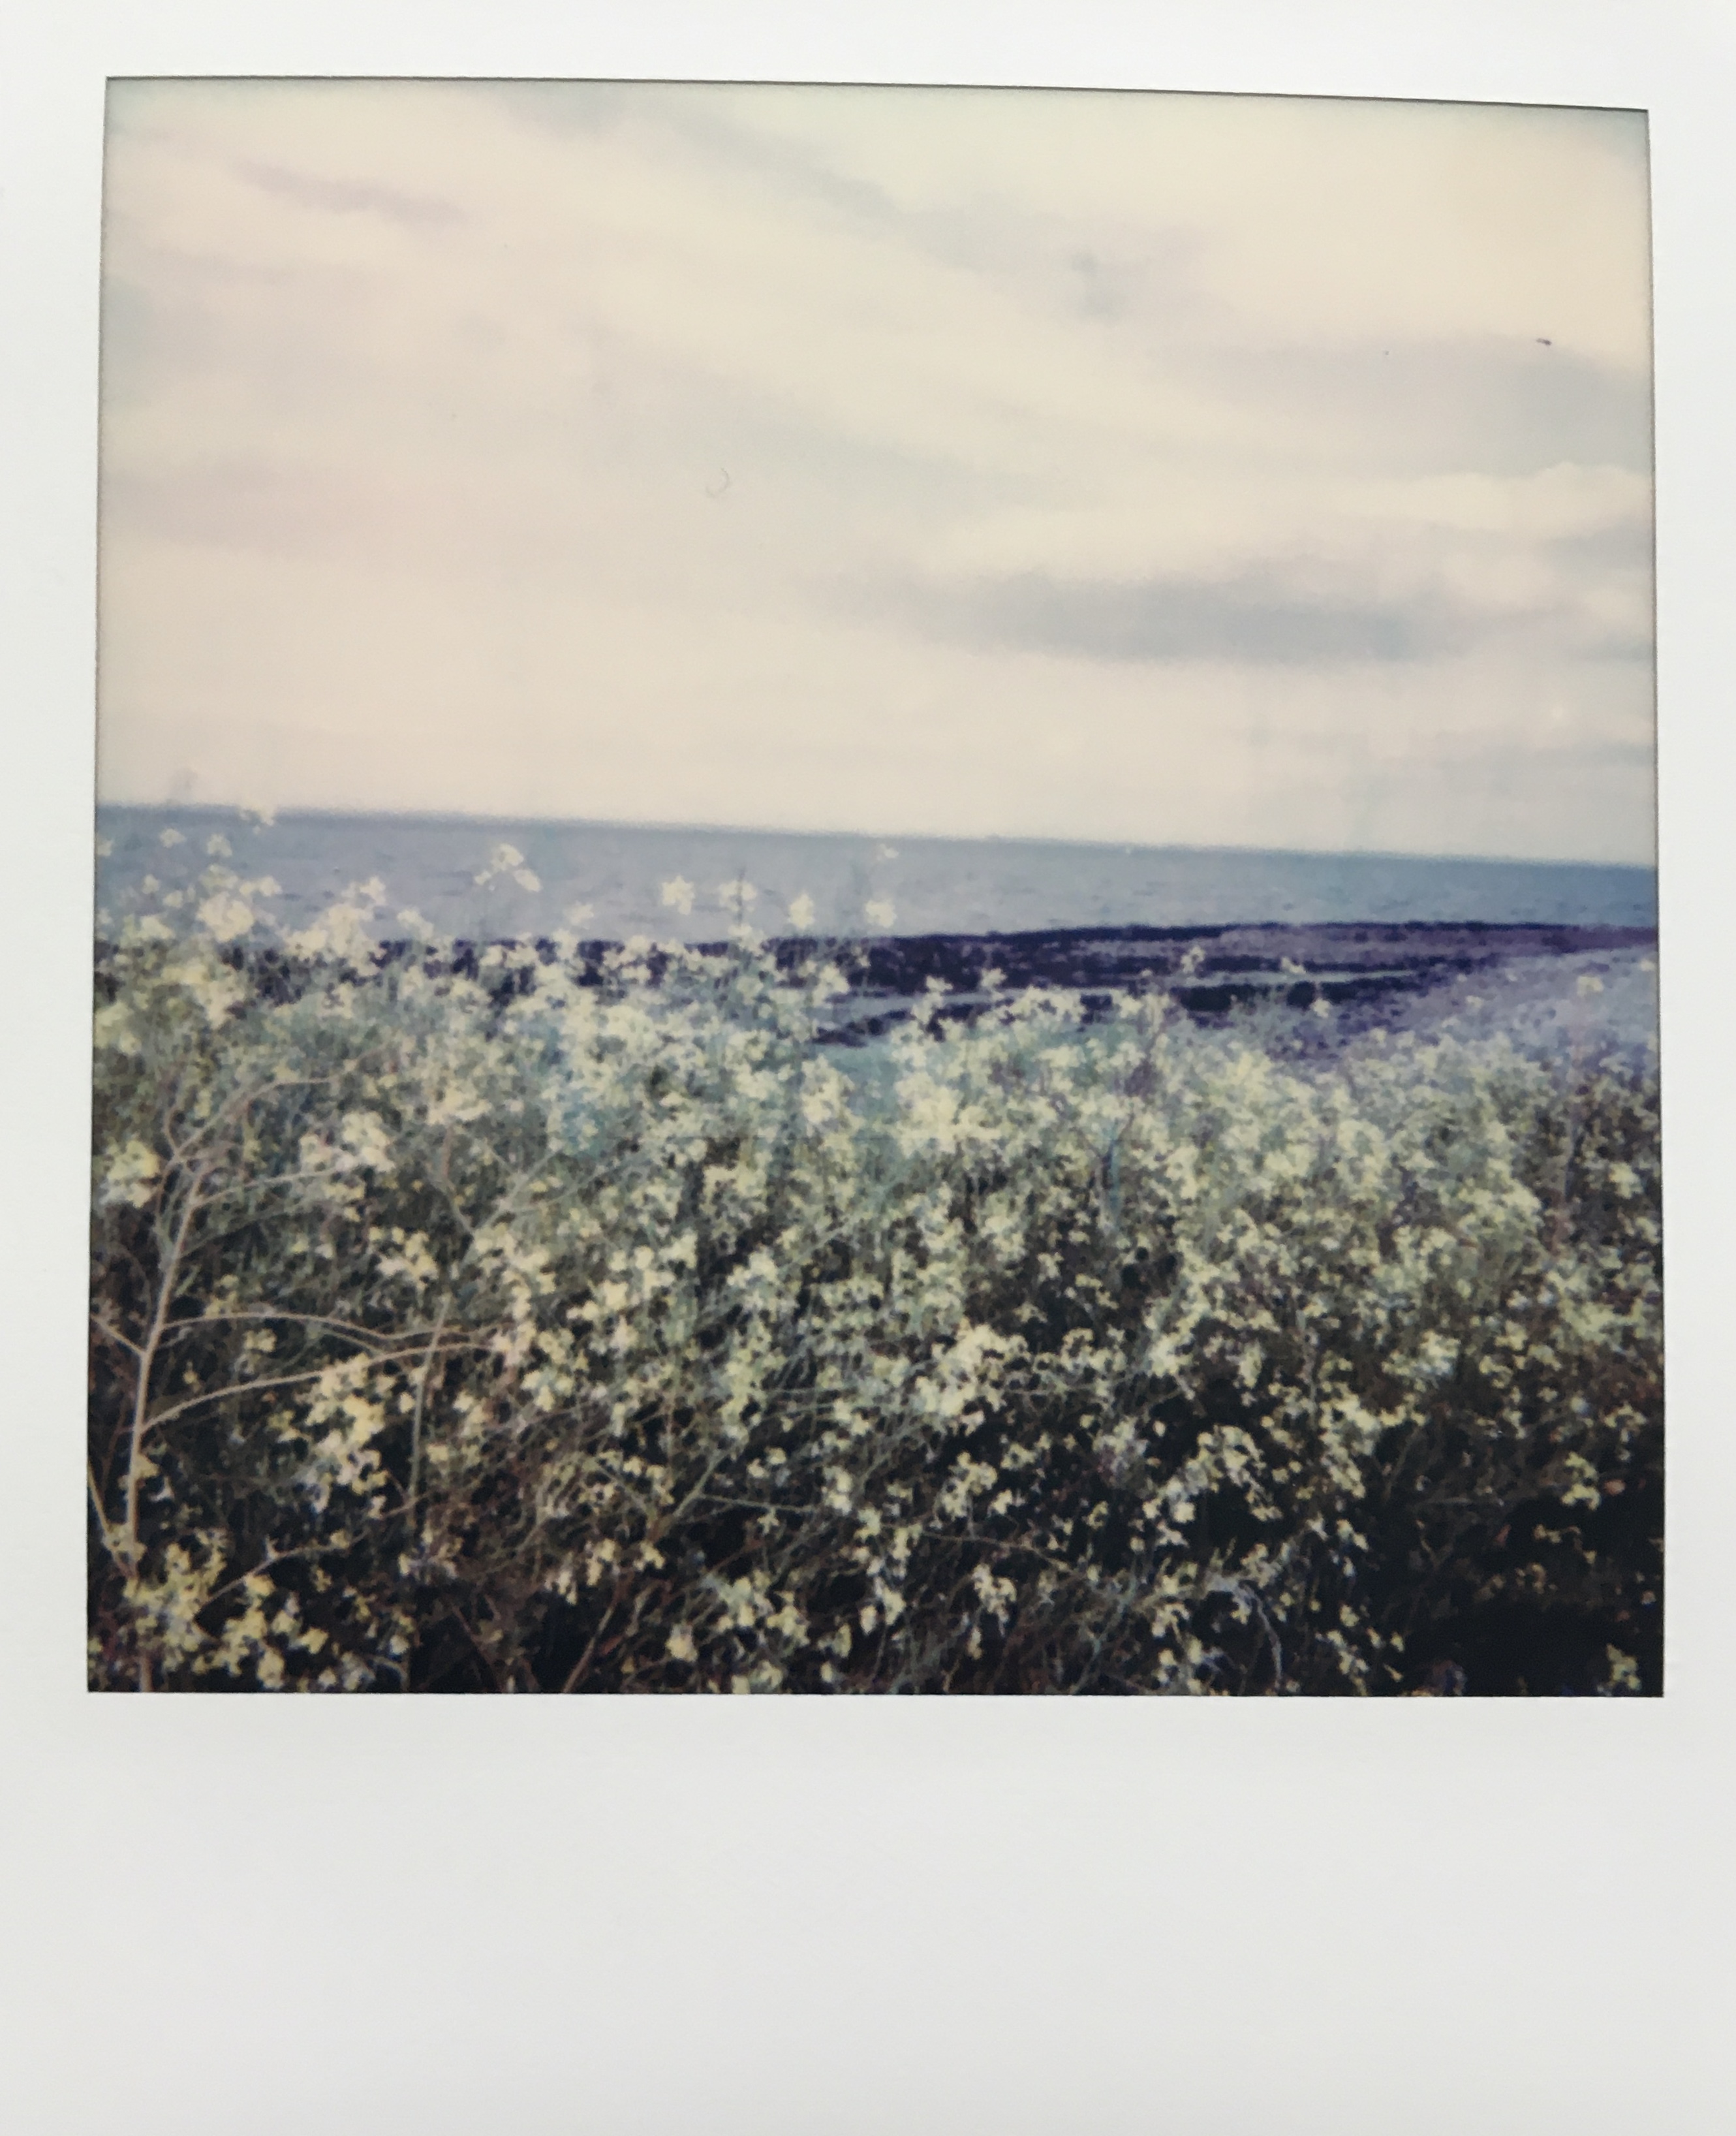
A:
<point x="563" y="1318"/>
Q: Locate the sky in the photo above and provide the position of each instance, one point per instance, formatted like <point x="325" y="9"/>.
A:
<point x="1169" y="469"/>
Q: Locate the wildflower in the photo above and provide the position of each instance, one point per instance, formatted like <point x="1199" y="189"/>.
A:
<point x="575" y="915"/>
<point x="340" y="931"/>
<point x="801" y="912"/>
<point x="507" y="860"/>
<point x="364" y="1137"/>
<point x="129" y="1174"/>
<point x="1588" y="985"/>
<point x="737" y="896"/>
<point x="217" y="847"/>
<point x="225" y="917"/>
<point x="1624" y="1672"/>
<point x="881" y="912"/>
<point x="170" y="837"/>
<point x="112" y="1027"/>
<point x="679" y="1645"/>
<point x="679" y="893"/>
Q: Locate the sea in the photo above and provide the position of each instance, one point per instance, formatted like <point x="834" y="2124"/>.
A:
<point x="486" y="879"/>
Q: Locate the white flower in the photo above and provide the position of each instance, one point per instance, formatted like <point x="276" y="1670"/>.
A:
<point x="460" y="1102"/>
<point x="679" y="1645"/>
<point x="364" y="1136"/>
<point x="218" y="848"/>
<point x="881" y="911"/>
<point x="739" y="895"/>
<point x="262" y="815"/>
<point x="130" y="1172"/>
<point x="679" y="893"/>
<point x="884" y="852"/>
<point x="1588" y="985"/>
<point x="225" y="917"/>
<point x="104" y="847"/>
<point x="801" y="912"/>
<point x="114" y="1026"/>
<point x="527" y="879"/>
<point x="575" y="915"/>
<point x="340" y="931"/>
<point x="170" y="838"/>
<point x="506" y="860"/>
<point x="1320" y="1006"/>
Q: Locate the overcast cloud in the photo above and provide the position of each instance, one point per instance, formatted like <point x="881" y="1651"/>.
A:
<point x="1204" y="469"/>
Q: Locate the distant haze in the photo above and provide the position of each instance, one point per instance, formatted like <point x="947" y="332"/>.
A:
<point x="1222" y="471"/>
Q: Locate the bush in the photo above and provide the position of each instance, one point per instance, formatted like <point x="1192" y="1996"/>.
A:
<point x="556" y="1328"/>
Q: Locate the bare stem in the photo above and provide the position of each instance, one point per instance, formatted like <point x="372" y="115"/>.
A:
<point x="146" y="1358"/>
<point x="415" y="1427"/>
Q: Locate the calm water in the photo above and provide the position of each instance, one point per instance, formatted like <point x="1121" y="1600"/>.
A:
<point x="931" y="885"/>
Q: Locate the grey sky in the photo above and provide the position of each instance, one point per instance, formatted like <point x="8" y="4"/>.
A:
<point x="1217" y="470"/>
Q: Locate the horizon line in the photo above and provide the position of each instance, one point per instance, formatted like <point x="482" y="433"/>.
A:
<point x="235" y="808"/>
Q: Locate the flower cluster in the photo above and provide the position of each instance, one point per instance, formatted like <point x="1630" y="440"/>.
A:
<point x="533" y="1322"/>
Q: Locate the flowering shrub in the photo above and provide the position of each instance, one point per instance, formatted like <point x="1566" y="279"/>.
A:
<point x="524" y="1324"/>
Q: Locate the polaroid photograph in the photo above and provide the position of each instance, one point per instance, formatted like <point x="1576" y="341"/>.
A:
<point x="850" y="854"/>
<point x="876" y="897"/>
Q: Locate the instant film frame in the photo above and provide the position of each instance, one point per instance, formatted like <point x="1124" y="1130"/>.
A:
<point x="875" y="895"/>
<point x="1060" y="2079"/>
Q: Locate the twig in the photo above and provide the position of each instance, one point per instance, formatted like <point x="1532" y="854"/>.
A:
<point x="141" y="1422"/>
<point x="415" y="1428"/>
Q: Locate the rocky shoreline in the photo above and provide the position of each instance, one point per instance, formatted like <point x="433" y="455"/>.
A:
<point x="1416" y="975"/>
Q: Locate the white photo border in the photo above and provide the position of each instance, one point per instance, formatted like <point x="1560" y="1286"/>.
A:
<point x="685" y="1915"/>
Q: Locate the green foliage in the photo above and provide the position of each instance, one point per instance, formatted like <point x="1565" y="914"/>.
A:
<point x="539" y="1329"/>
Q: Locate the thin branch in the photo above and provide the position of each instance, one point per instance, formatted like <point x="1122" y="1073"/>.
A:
<point x="146" y="1358"/>
<point x="256" y="1386"/>
<point x="102" y="1519"/>
<point x="114" y="1335"/>
<point x="415" y="1428"/>
<point x="363" y="1334"/>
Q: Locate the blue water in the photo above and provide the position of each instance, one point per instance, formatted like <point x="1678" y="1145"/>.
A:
<point x="931" y="885"/>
